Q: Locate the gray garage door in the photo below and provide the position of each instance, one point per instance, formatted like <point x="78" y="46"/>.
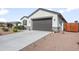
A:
<point x="42" y="24"/>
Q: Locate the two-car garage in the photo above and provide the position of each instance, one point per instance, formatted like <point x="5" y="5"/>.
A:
<point x="42" y="24"/>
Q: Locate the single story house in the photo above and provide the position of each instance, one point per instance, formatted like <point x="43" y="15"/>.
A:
<point x="43" y="19"/>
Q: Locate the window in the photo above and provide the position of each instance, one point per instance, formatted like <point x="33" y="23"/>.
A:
<point x="24" y="22"/>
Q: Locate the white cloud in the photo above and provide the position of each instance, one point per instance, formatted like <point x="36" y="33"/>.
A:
<point x="3" y="20"/>
<point x="61" y="11"/>
<point x="3" y="11"/>
<point x="70" y="9"/>
<point x="58" y="10"/>
<point x="49" y="8"/>
<point x="67" y="10"/>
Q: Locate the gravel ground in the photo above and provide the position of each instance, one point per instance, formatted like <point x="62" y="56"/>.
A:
<point x="56" y="42"/>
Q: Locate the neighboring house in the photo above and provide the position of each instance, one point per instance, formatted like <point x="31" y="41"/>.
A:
<point x="43" y="19"/>
<point x="14" y="23"/>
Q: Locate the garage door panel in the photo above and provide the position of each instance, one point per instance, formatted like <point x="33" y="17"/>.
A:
<point x="42" y="24"/>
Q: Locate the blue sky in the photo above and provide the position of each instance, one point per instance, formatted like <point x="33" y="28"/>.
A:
<point x="14" y="14"/>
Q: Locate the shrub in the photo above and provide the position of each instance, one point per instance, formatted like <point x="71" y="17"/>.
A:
<point x="9" y="25"/>
<point x="20" y="27"/>
<point x="15" y="29"/>
<point x="5" y="29"/>
<point x="1" y="25"/>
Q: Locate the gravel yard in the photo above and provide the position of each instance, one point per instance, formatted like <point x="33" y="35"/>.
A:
<point x="69" y="41"/>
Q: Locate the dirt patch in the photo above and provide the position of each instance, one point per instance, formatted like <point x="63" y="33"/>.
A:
<point x="69" y="41"/>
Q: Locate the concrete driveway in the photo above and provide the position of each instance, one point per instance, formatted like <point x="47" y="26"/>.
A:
<point x="17" y="41"/>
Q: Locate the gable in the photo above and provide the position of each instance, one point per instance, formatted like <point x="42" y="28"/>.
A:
<point x="42" y="13"/>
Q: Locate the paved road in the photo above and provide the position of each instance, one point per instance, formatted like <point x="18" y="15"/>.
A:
<point x="17" y="41"/>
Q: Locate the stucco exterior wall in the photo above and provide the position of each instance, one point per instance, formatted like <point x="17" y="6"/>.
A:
<point x="60" y="23"/>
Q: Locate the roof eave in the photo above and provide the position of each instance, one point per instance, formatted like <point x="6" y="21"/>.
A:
<point x="24" y="17"/>
<point x="62" y="17"/>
